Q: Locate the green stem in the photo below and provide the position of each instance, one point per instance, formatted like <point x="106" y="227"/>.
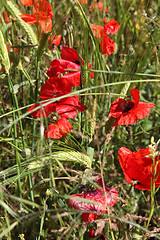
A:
<point x="15" y="102"/>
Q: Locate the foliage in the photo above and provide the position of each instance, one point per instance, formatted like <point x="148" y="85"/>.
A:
<point x="37" y="174"/>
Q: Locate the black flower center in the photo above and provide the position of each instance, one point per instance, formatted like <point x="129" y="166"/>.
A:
<point x="127" y="106"/>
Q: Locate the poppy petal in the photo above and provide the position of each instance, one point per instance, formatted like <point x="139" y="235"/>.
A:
<point x="59" y="66"/>
<point x="117" y="107"/>
<point x="43" y="111"/>
<point x="112" y="26"/>
<point x="97" y="30"/>
<point x="137" y="166"/>
<point x="135" y="95"/>
<point x="59" y="129"/>
<point x="30" y="19"/>
<point x="107" y="45"/>
<point x="142" y="110"/>
<point x="55" y="85"/>
<point x="43" y="10"/>
<point x="27" y="2"/>
<point x="71" y="54"/>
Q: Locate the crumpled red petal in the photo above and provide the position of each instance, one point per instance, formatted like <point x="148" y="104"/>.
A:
<point x="97" y="195"/>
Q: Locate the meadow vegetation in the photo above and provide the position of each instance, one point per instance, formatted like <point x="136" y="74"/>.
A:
<point x="79" y="123"/>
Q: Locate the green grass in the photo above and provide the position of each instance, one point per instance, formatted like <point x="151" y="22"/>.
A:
<point x="30" y="164"/>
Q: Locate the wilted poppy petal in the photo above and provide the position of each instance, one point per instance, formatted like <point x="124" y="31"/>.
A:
<point x="102" y="198"/>
<point x="67" y="107"/>
<point x="112" y="27"/>
<point x="27" y="2"/>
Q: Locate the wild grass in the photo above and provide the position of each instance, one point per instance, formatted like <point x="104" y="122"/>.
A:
<point x="37" y="176"/>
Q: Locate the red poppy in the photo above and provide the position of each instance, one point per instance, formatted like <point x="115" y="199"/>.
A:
<point x="97" y="195"/>
<point x="66" y="107"/>
<point x="138" y="167"/>
<point x="98" y="5"/>
<point x="70" y="60"/>
<point x="42" y="14"/>
<point x="5" y="17"/>
<point x="54" y="41"/>
<point x="83" y="1"/>
<point x="92" y="234"/>
<point x="58" y="129"/>
<point x="97" y="30"/>
<point x="107" y="45"/>
<point x="28" y="3"/>
<point x="112" y="27"/>
<point x="129" y="111"/>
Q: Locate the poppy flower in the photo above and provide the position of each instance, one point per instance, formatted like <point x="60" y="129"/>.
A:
<point x="98" y="5"/>
<point x="107" y="44"/>
<point x="42" y="14"/>
<point x="69" y="60"/>
<point x="98" y="30"/>
<point x="92" y="234"/>
<point x="111" y="27"/>
<point x="129" y="111"/>
<point x="28" y="3"/>
<point x="97" y="195"/>
<point x="5" y="17"/>
<point x="138" y="167"/>
<point x="54" y="41"/>
<point x="66" y="107"/>
<point x="83" y="1"/>
<point x="58" y="129"/>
